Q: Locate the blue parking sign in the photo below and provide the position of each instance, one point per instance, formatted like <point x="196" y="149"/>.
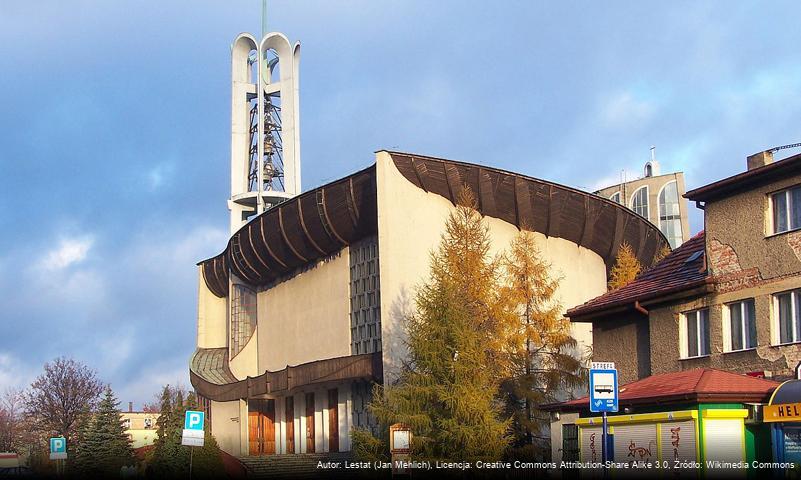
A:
<point x="58" y="448"/>
<point x="194" y="420"/>
<point x="603" y="390"/>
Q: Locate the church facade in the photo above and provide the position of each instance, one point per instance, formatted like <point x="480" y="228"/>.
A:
<point x="304" y="309"/>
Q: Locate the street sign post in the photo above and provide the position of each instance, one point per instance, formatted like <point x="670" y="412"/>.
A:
<point x="193" y="435"/>
<point x="603" y="397"/>
<point x="193" y="429"/>
<point x="58" y="448"/>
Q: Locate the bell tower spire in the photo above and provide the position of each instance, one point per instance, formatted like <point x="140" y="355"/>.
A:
<point x="265" y="127"/>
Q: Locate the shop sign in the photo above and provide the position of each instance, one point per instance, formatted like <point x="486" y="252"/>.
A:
<point x="784" y="412"/>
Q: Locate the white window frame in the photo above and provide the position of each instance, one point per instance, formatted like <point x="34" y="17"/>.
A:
<point x="616" y="194"/>
<point x="789" y="210"/>
<point x="774" y="324"/>
<point x="726" y="325"/>
<point x="659" y="211"/>
<point x="647" y="202"/>
<point x="684" y="347"/>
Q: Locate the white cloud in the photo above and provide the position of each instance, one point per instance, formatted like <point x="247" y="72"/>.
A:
<point x="14" y="373"/>
<point x="626" y="109"/>
<point x="68" y="252"/>
<point x="160" y="175"/>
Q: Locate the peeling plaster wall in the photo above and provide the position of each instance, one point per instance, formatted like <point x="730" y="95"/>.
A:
<point x="747" y="261"/>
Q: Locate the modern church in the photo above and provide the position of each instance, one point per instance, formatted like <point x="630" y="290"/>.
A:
<point x="303" y="311"/>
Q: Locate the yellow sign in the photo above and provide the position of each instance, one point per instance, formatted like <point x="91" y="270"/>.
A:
<point x="785" y="412"/>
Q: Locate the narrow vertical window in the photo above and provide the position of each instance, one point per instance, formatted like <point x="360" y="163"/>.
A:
<point x="786" y="207"/>
<point x="787" y="316"/>
<point x="639" y="202"/>
<point x="365" y="297"/>
<point x="742" y="325"/>
<point x="669" y="214"/>
<point x="243" y="317"/>
<point x="697" y="329"/>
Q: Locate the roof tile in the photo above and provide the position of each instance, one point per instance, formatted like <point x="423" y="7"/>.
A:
<point x="671" y="274"/>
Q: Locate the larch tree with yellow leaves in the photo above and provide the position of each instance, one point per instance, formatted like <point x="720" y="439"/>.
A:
<point x="461" y="342"/>
<point x="546" y="366"/>
<point x="626" y="267"/>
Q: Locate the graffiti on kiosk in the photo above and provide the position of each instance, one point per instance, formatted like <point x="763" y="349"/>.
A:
<point x="675" y="439"/>
<point x="593" y="453"/>
<point x="643" y="452"/>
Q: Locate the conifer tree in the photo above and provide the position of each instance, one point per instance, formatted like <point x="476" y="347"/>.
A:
<point x="105" y="447"/>
<point x="546" y="364"/>
<point x="170" y="459"/>
<point x="458" y="341"/>
<point x="625" y="269"/>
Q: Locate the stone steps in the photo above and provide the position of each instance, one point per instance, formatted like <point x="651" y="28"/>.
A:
<point x="301" y="465"/>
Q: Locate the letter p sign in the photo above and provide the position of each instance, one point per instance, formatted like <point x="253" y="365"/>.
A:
<point x="194" y="420"/>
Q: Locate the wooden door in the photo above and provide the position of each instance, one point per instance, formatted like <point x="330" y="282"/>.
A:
<point x="289" y="418"/>
<point x="309" y="423"/>
<point x="261" y="427"/>
<point x="254" y="441"/>
<point x="268" y="430"/>
<point x="333" y="420"/>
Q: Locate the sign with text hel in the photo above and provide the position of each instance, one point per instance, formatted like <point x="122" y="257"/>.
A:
<point x="193" y="434"/>
<point x="783" y="412"/>
<point x="603" y="390"/>
<point x="58" y="448"/>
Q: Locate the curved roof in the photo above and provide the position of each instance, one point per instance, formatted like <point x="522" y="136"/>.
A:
<point x="320" y="222"/>
<point x="216" y="382"/>
<point x="788" y="392"/>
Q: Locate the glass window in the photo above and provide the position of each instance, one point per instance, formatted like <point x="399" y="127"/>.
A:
<point x="365" y="297"/>
<point x="615" y="197"/>
<point x="639" y="201"/>
<point x="742" y="325"/>
<point x="669" y="216"/>
<point x="697" y="328"/>
<point x="243" y="317"/>
<point x="786" y="210"/>
<point x="787" y="316"/>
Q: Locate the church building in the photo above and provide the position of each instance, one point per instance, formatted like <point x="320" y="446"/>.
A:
<point x="303" y="310"/>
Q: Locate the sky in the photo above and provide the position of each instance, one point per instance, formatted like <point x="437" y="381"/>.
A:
<point x="114" y="133"/>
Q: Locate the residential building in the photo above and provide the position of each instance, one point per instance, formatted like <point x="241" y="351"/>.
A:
<point x="140" y="427"/>
<point x="657" y="197"/>
<point x="727" y="298"/>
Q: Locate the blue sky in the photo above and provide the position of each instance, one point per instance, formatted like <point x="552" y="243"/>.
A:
<point x="115" y="132"/>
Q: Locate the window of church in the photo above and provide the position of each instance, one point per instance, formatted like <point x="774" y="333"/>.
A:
<point x="365" y="298"/>
<point x="243" y="317"/>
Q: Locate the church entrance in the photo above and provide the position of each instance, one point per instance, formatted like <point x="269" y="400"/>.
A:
<point x="261" y="426"/>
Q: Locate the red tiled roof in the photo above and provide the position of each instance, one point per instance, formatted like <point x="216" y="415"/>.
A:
<point x="700" y="384"/>
<point x="671" y="275"/>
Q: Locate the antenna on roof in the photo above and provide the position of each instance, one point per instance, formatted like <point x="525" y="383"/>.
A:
<point x="776" y="149"/>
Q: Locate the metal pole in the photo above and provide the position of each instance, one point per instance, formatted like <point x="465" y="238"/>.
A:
<point x="191" y="450"/>
<point x="604" y="437"/>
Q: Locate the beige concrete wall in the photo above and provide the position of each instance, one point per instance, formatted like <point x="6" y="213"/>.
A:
<point x="227" y="424"/>
<point x="306" y="317"/>
<point x="654" y="185"/>
<point x="410" y="224"/>
<point x="246" y="362"/>
<point x="212" y="317"/>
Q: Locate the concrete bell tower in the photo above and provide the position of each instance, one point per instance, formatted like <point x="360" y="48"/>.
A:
<point x="265" y="133"/>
